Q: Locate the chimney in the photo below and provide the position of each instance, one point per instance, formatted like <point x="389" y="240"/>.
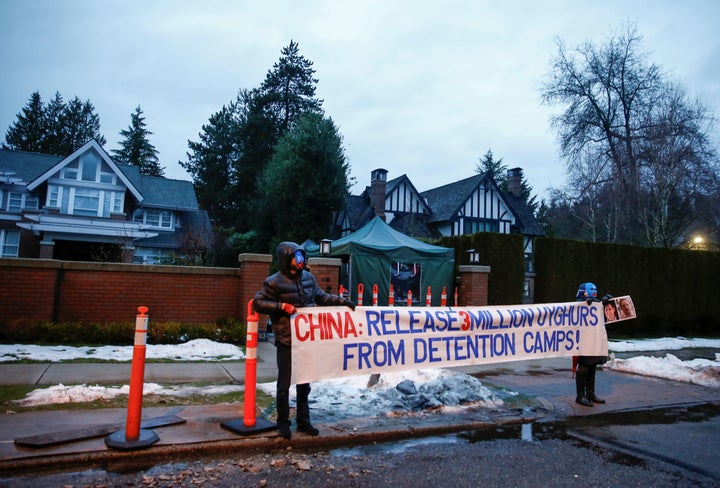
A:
<point x="514" y="182"/>
<point x="378" y="182"/>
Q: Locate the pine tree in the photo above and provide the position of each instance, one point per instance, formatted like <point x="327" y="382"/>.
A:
<point x="210" y="163"/>
<point x="28" y="132"/>
<point x="136" y="149"/>
<point x="57" y="128"/>
<point x="304" y="182"/>
<point x="80" y="124"/>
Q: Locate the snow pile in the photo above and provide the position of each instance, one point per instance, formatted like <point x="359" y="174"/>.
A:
<point x="697" y="371"/>
<point x="395" y="392"/>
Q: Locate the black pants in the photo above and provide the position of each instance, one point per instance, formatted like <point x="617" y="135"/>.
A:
<point x="284" y="364"/>
<point x="585" y="380"/>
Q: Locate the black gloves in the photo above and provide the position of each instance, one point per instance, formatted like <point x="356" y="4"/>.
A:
<point x="606" y="298"/>
<point x="349" y="303"/>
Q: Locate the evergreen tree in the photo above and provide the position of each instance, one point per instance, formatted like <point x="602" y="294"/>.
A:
<point x="54" y="121"/>
<point x="498" y="171"/>
<point x="307" y="178"/>
<point x="28" y="132"/>
<point x="80" y="124"/>
<point x="289" y="89"/>
<point x="57" y="128"/>
<point x="211" y="165"/>
<point x="136" y="149"/>
<point x="246" y="133"/>
<point x="287" y="92"/>
<point x="495" y="168"/>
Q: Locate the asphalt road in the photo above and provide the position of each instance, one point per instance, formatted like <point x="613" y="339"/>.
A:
<point x="674" y="447"/>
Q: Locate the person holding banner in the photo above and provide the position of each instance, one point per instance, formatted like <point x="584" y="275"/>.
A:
<point x="587" y="365"/>
<point x="282" y="293"/>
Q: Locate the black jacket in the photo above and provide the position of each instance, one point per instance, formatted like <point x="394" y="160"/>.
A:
<point x="300" y="290"/>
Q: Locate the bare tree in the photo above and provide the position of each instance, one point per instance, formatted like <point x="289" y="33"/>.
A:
<point x="632" y="141"/>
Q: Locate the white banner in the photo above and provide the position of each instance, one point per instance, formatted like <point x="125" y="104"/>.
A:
<point x="332" y="342"/>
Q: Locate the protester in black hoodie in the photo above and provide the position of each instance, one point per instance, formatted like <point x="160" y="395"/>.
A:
<point x="290" y="288"/>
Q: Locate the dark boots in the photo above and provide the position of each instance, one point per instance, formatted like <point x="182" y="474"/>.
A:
<point x="303" y="411"/>
<point x="580" y="382"/>
<point x="585" y="386"/>
<point x="590" y="389"/>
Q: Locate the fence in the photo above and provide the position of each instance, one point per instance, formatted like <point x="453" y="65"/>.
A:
<point x="68" y="291"/>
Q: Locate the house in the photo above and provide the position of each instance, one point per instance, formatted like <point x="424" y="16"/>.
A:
<point x="475" y="204"/>
<point x="87" y="207"/>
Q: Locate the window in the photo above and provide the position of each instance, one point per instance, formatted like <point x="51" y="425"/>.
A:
<point x="31" y="202"/>
<point x="472" y="226"/>
<point x="14" y="202"/>
<point x="9" y="243"/>
<point x="89" y="164"/>
<point x="19" y="201"/>
<point x="69" y="174"/>
<point x="154" y="218"/>
<point x="86" y="202"/>
<point x="148" y="255"/>
<point x="53" y="196"/>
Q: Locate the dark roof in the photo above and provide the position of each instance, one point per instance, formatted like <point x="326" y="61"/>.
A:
<point x="162" y="192"/>
<point x="415" y="225"/>
<point x="157" y="192"/>
<point x="527" y="223"/>
<point x="26" y="165"/>
<point x="445" y="201"/>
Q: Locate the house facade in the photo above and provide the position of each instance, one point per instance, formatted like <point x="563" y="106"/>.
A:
<point x="86" y="207"/>
<point x="474" y="204"/>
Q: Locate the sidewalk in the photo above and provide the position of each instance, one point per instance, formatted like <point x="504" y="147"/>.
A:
<point x="546" y="383"/>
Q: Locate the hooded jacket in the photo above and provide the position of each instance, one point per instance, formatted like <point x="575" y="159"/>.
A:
<point x="300" y="290"/>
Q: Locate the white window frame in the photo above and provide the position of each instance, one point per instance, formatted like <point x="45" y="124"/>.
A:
<point x="5" y="245"/>
<point x="54" y="196"/>
<point x="157" y="218"/>
<point x="74" y="209"/>
<point x="25" y="200"/>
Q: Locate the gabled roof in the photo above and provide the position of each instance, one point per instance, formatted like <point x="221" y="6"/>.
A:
<point x="445" y="201"/>
<point x="151" y="191"/>
<point x="91" y="144"/>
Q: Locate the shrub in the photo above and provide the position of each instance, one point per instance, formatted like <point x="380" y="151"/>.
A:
<point x="119" y="333"/>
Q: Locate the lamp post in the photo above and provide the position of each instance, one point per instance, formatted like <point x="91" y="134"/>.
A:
<point x="473" y="256"/>
<point x="325" y="247"/>
<point x="697" y="243"/>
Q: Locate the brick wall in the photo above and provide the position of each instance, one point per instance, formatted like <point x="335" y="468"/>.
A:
<point x="50" y="290"/>
<point x="61" y="291"/>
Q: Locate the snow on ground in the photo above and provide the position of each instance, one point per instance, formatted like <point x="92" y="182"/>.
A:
<point x="395" y="391"/>
<point x="195" y="350"/>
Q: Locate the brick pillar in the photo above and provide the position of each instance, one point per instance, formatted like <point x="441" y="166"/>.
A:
<point x="473" y="286"/>
<point x="254" y="268"/>
<point x="47" y="249"/>
<point x="326" y="272"/>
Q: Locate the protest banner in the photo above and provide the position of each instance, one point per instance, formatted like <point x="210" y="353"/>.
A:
<point x="333" y="342"/>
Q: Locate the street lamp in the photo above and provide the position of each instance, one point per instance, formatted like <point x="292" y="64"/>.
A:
<point x="325" y="247"/>
<point x="473" y="256"/>
<point x="697" y="242"/>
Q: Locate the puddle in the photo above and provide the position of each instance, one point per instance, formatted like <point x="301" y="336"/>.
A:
<point x="540" y="431"/>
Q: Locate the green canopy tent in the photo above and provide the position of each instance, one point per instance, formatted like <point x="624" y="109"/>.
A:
<point x="379" y="255"/>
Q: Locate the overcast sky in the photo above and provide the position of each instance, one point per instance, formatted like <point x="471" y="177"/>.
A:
<point x="417" y="87"/>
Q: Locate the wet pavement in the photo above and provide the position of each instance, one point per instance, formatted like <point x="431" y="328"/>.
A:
<point x="546" y="385"/>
